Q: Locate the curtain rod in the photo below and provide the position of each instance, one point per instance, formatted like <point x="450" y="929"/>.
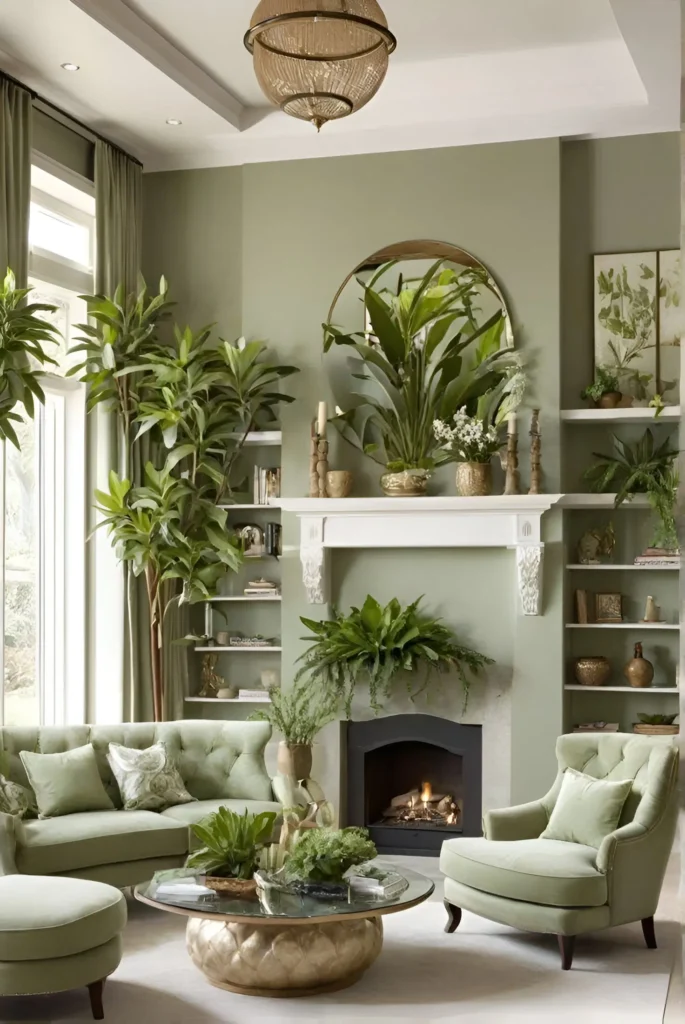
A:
<point x="45" y="106"/>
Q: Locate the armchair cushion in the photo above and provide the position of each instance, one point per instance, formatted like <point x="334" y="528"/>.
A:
<point x="545" y="871"/>
<point x="587" y="809"/>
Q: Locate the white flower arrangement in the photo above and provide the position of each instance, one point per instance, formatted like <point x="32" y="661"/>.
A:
<point x="469" y="440"/>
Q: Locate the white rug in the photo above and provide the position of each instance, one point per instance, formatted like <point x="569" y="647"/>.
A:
<point x="481" y="973"/>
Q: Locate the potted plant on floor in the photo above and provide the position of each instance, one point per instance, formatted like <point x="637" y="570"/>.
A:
<point x="425" y="355"/>
<point x="232" y="847"/>
<point x="605" y="390"/>
<point x="298" y="714"/>
<point x="375" y="644"/>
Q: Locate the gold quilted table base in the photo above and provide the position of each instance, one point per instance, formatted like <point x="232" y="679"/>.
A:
<point x="294" y="959"/>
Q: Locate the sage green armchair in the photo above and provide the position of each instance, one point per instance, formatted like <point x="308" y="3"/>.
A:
<point x="544" y="885"/>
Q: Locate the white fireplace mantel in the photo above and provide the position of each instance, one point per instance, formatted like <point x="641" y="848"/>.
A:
<point x="507" y="521"/>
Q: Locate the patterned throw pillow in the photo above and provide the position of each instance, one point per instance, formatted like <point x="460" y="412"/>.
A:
<point x="148" y="779"/>
<point x="16" y="799"/>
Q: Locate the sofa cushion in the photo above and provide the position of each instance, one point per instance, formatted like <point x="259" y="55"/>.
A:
<point x="42" y="918"/>
<point x="148" y="779"/>
<point x="76" y="841"/>
<point x="535" y="870"/>
<point x="190" y="814"/>
<point x="67" y="782"/>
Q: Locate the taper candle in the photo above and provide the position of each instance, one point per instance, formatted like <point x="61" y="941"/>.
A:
<point x="321" y="422"/>
<point x="511" y="427"/>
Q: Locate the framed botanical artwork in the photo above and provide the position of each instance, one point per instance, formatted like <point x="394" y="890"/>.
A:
<point x="639" y="321"/>
<point x="626" y="319"/>
<point x="670" y="319"/>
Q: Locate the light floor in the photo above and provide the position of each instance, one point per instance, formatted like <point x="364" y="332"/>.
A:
<point x="480" y="974"/>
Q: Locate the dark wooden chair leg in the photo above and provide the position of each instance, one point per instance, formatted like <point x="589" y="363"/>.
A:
<point x="453" y="917"/>
<point x="95" y="993"/>
<point x="566" y="944"/>
<point x="648" y="932"/>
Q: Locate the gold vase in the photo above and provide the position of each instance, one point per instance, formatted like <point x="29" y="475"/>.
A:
<point x="338" y="483"/>
<point x="474" y="479"/>
<point x="592" y="671"/>
<point x="409" y="483"/>
<point x="295" y="760"/>
<point x="639" y="672"/>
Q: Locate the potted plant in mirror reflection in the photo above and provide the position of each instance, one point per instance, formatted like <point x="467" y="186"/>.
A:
<point x="642" y="468"/>
<point x="426" y="354"/>
<point x="374" y="645"/>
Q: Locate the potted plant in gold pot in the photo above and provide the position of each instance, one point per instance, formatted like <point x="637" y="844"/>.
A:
<point x="298" y="714"/>
<point x="471" y="443"/>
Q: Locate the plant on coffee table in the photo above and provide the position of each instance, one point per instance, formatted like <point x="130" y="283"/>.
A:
<point x="373" y="643"/>
<point x="232" y="842"/>
<point x="324" y="855"/>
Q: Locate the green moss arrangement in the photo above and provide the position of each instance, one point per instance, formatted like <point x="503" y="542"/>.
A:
<point x="374" y="644"/>
<point x="324" y="855"/>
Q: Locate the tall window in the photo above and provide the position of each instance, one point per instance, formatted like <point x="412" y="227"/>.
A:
<point x="42" y="486"/>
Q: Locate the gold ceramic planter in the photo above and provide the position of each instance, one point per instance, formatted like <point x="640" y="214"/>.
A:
<point x="474" y="479"/>
<point x="410" y="483"/>
<point x="592" y="671"/>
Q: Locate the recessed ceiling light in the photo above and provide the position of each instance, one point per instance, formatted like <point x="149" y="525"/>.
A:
<point x="173" y="120"/>
<point x="71" y="67"/>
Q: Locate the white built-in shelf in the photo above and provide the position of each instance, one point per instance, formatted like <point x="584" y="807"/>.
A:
<point x="598" y="501"/>
<point x="247" y="599"/>
<point x="239" y="650"/>
<point x="273" y="504"/>
<point x="625" y="689"/>
<point x="622" y="625"/>
<point x="642" y="567"/>
<point x="260" y="438"/>
<point x="631" y="415"/>
<point x="227" y="700"/>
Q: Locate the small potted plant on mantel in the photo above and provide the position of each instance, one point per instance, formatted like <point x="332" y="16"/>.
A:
<point x="471" y="443"/>
<point x="605" y="390"/>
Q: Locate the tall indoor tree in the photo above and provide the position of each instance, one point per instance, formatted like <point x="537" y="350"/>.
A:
<point x="189" y="402"/>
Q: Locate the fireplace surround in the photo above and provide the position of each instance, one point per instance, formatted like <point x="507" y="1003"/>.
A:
<point x="404" y="757"/>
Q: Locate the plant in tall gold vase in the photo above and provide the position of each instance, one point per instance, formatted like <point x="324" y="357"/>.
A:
<point x="185" y="406"/>
<point x="424" y="355"/>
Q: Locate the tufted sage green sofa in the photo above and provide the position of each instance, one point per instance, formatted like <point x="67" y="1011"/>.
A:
<point x="221" y="763"/>
<point x="544" y="885"/>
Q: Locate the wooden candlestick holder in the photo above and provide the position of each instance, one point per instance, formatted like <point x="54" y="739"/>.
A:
<point x="318" y="463"/>
<point x="535" y="454"/>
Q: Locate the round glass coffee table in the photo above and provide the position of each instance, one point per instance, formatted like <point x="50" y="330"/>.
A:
<point x="279" y="944"/>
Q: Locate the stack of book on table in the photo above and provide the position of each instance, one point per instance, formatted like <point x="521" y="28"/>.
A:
<point x="656" y="557"/>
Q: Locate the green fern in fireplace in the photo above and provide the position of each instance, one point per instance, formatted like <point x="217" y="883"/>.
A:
<point x="374" y="644"/>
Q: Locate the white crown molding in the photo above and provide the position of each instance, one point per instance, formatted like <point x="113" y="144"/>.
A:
<point x="507" y="521"/>
<point x="140" y="36"/>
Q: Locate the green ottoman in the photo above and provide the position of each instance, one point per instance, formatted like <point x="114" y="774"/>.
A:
<point x="58" y="934"/>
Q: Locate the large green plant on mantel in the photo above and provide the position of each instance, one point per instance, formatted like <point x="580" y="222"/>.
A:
<point x="191" y="402"/>
<point x="23" y="334"/>
<point x="642" y="468"/>
<point x="373" y="644"/>
<point x="426" y="356"/>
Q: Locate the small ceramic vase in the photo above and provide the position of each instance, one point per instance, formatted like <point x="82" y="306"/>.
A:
<point x="474" y="479"/>
<point x="592" y="671"/>
<point x="295" y="760"/>
<point x="639" y="672"/>
<point x="222" y="639"/>
<point x="610" y="400"/>
<point x="227" y="693"/>
<point x="410" y="483"/>
<point x="651" y="611"/>
<point x="338" y="483"/>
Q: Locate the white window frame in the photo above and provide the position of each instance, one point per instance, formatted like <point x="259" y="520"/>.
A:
<point x="51" y="266"/>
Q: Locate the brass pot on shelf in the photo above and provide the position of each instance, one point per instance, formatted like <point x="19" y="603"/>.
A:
<point x="474" y="479"/>
<point x="592" y="671"/>
<point x="408" y="483"/>
<point x="639" y="672"/>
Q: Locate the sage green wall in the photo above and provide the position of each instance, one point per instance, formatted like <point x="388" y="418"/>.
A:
<point x="55" y="140"/>
<point x="305" y="225"/>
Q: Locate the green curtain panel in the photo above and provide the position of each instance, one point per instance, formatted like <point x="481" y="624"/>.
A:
<point x="15" y="178"/>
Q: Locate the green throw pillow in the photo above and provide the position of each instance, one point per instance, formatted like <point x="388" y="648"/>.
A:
<point x="587" y="809"/>
<point x="16" y="799"/>
<point x="66" y="783"/>
<point x="148" y="779"/>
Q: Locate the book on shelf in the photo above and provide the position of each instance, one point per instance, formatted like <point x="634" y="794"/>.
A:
<point x="657" y="560"/>
<point x="266" y="484"/>
<point x="272" y="539"/>
<point x="596" y="727"/>
<point x="254" y="694"/>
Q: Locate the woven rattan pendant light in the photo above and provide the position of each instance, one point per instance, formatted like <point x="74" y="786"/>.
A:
<point x="320" y="60"/>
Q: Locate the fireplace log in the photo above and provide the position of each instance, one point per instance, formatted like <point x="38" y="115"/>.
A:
<point x="405" y="799"/>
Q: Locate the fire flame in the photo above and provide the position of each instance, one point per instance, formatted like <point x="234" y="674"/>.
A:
<point x="426" y="792"/>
